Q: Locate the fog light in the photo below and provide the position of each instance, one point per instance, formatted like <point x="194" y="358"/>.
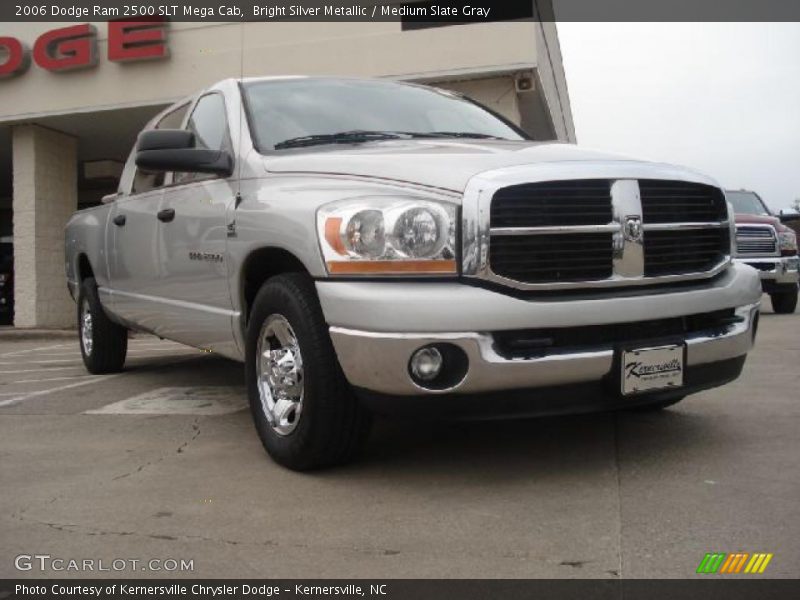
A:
<point x="426" y="363"/>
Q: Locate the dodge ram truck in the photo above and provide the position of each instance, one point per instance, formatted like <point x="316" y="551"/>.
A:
<point x="767" y="245"/>
<point x="368" y="246"/>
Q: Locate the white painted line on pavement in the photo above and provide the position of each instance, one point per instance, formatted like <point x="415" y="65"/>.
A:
<point x="87" y="379"/>
<point x="37" y="362"/>
<point x="42" y="370"/>
<point x="31" y="395"/>
<point x="202" y="400"/>
<point x="162" y="349"/>
<point x="77" y="354"/>
<point x="29" y="350"/>
<point x="45" y="380"/>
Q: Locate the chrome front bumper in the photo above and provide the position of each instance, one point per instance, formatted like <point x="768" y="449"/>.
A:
<point x="776" y="269"/>
<point x="375" y="328"/>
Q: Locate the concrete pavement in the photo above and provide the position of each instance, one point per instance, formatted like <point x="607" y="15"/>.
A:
<point x="632" y="495"/>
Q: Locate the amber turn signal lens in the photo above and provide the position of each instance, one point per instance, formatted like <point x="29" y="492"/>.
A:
<point x="332" y="228"/>
<point x="427" y="267"/>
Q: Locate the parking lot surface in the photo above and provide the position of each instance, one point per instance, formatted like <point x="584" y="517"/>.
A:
<point x="162" y="462"/>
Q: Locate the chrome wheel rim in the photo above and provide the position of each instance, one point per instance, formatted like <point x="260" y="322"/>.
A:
<point x="86" y="328"/>
<point x="279" y="369"/>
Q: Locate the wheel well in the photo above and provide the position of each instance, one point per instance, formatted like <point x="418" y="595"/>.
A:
<point x="260" y="266"/>
<point x="84" y="268"/>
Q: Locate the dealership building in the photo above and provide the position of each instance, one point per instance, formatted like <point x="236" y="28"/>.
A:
<point x="73" y="100"/>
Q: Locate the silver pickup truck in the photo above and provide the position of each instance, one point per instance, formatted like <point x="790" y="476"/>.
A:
<point x="370" y="246"/>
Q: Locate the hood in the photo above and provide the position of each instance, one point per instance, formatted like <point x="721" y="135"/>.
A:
<point x="447" y="164"/>
<point x="758" y="219"/>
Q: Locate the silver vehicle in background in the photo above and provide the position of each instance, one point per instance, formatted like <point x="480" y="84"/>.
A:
<point x="371" y="246"/>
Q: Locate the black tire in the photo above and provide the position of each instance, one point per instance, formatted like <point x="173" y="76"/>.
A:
<point x="656" y="406"/>
<point x="109" y="341"/>
<point x="333" y="425"/>
<point x="784" y="303"/>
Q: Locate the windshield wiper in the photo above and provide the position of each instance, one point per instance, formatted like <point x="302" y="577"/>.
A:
<point x="343" y="137"/>
<point x="463" y="134"/>
<point x="359" y="136"/>
<point x="447" y="134"/>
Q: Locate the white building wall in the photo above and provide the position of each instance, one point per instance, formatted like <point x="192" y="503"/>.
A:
<point x="204" y="53"/>
<point x="45" y="195"/>
<point x="497" y="93"/>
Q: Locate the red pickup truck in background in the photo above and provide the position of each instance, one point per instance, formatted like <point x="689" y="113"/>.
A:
<point x="763" y="242"/>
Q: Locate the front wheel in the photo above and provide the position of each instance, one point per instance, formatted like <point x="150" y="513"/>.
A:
<point x="304" y="410"/>
<point x="784" y="303"/>
<point x="104" y="344"/>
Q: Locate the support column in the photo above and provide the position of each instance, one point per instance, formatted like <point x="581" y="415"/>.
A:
<point x="45" y="195"/>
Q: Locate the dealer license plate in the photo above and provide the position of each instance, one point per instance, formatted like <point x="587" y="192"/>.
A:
<point x="648" y="369"/>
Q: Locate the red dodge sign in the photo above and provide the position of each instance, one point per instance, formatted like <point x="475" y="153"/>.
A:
<point x="75" y="47"/>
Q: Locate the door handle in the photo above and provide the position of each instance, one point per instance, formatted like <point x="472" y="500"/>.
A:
<point x="120" y="220"/>
<point x="166" y="215"/>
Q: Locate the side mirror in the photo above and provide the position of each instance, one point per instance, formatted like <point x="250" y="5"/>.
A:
<point x="788" y="217"/>
<point x="174" y="150"/>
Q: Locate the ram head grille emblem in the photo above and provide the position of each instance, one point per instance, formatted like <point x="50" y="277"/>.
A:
<point x="632" y="229"/>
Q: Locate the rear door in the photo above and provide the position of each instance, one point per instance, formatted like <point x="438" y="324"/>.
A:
<point x="193" y="251"/>
<point x="134" y="239"/>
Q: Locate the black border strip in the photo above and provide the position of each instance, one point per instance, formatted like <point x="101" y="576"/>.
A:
<point x="448" y="12"/>
<point x="708" y="587"/>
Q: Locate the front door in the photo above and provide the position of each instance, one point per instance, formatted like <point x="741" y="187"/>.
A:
<point x="193" y="277"/>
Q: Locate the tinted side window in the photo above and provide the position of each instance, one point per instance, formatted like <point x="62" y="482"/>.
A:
<point x="209" y="124"/>
<point x="144" y="181"/>
<point x="174" y="119"/>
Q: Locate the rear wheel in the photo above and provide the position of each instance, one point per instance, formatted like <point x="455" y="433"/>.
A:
<point x="784" y="303"/>
<point x="304" y="410"/>
<point x="104" y="344"/>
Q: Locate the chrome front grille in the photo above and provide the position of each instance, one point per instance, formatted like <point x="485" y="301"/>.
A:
<point x="543" y="252"/>
<point x="755" y="240"/>
<point x="553" y="203"/>
<point x="575" y="233"/>
<point x="684" y="250"/>
<point x="681" y="201"/>
<point x="552" y="257"/>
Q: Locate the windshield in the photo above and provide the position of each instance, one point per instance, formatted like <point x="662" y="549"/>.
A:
<point x="746" y="203"/>
<point x="285" y="110"/>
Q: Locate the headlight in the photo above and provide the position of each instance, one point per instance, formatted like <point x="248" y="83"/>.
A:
<point x="388" y="235"/>
<point x="788" y="241"/>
